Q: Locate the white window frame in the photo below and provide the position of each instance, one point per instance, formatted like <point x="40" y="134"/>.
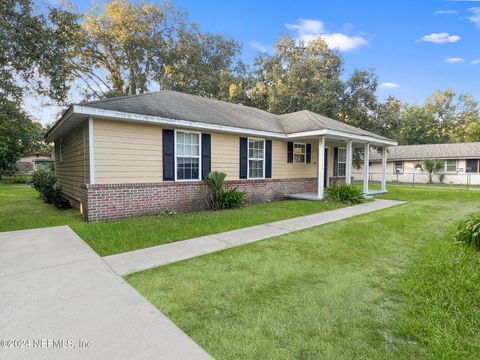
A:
<point x="395" y="167"/>
<point x="61" y="149"/>
<point x="248" y="158"/>
<point x="446" y="166"/>
<point x="342" y="162"/>
<point x="199" y="154"/>
<point x="305" y="153"/>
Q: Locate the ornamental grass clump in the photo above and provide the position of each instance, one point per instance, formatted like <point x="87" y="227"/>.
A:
<point x="219" y="197"/>
<point x="345" y="194"/>
<point x="469" y="231"/>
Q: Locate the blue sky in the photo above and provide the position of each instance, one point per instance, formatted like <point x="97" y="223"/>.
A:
<point x="414" y="47"/>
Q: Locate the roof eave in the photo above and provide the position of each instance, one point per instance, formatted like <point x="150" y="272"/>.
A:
<point x="343" y="135"/>
<point x="86" y="111"/>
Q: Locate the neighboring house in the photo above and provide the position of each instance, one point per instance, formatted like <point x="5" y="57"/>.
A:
<point x="29" y="163"/>
<point x="461" y="163"/>
<point x="142" y="154"/>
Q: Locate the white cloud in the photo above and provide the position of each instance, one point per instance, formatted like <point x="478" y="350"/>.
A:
<point x="445" y="12"/>
<point x="388" y="85"/>
<point x="260" y="47"/>
<point x="440" y="38"/>
<point x="475" y="62"/>
<point x="307" y="30"/>
<point x="454" y="60"/>
<point x="475" y="18"/>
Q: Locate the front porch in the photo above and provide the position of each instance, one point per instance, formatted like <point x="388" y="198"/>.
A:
<point x="334" y="159"/>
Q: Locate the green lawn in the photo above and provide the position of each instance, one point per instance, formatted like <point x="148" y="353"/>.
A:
<point x="20" y="208"/>
<point x="385" y="285"/>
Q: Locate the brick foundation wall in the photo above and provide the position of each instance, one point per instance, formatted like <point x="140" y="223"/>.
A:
<point x="117" y="201"/>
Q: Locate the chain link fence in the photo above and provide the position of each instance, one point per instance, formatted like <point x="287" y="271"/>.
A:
<point x="467" y="181"/>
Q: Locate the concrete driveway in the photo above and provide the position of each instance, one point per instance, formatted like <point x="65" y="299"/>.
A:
<point x="59" y="300"/>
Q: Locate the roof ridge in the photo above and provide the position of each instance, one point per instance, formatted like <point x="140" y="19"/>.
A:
<point x="312" y="116"/>
<point x="120" y="97"/>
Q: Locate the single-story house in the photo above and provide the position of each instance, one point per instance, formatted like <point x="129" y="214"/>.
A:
<point x="460" y="163"/>
<point x="142" y="154"/>
<point x="29" y="163"/>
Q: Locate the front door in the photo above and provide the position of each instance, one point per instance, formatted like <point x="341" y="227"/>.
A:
<point x="325" y="173"/>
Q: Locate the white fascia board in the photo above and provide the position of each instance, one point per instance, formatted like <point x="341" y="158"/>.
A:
<point x="342" y="135"/>
<point x="58" y="124"/>
<point x="123" y="116"/>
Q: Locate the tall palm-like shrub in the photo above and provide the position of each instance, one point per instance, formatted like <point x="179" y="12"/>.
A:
<point x="431" y="167"/>
<point x="216" y="180"/>
<point x="221" y="198"/>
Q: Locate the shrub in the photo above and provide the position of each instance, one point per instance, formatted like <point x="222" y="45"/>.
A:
<point x="232" y="199"/>
<point x="45" y="182"/>
<point x="219" y="198"/>
<point x="469" y="231"/>
<point x="345" y="193"/>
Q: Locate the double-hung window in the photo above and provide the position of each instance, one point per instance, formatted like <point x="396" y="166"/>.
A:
<point x="187" y="155"/>
<point x="451" y="166"/>
<point x="299" y="153"/>
<point x="342" y="162"/>
<point x="256" y="158"/>
<point x="472" y="166"/>
<point x="398" y="167"/>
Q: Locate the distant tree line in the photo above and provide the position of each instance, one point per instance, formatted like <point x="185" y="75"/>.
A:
<point x="127" y="48"/>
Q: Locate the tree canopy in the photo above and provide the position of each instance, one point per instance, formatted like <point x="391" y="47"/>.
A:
<point x="127" y="48"/>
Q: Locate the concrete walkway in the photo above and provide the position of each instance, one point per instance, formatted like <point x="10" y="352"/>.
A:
<point x="133" y="261"/>
<point x="59" y="300"/>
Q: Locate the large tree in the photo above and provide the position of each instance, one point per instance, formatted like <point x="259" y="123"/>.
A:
<point x="298" y="76"/>
<point x="33" y="58"/>
<point x="33" y="50"/>
<point x="358" y="102"/>
<point x="128" y="48"/>
<point x="18" y="135"/>
<point x="444" y="117"/>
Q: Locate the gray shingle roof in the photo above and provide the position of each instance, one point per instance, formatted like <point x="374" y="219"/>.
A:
<point x="181" y="106"/>
<point x="306" y="121"/>
<point x="431" y="151"/>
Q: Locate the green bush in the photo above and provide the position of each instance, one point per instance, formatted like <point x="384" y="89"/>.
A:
<point x="219" y="198"/>
<point x="232" y="199"/>
<point x="45" y="182"/>
<point x="345" y="193"/>
<point x="469" y="231"/>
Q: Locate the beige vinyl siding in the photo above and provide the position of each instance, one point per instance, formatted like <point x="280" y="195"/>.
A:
<point x="282" y="169"/>
<point x="73" y="171"/>
<point x="127" y="152"/>
<point x="225" y="154"/>
<point x="132" y="153"/>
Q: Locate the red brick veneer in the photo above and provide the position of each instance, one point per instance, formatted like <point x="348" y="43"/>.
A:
<point x="116" y="201"/>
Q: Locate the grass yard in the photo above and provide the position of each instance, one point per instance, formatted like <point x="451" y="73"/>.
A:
<point x="384" y="285"/>
<point x="20" y="208"/>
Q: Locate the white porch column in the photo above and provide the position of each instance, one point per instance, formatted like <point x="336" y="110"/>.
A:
<point x="321" y="166"/>
<point x="348" y="171"/>
<point x="366" y="160"/>
<point x="384" y="168"/>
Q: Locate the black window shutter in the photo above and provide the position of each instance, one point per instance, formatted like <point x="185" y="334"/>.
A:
<point x="243" y="157"/>
<point x="268" y="158"/>
<point x="309" y="153"/>
<point x="335" y="161"/>
<point x="168" y="155"/>
<point x="206" y="155"/>
<point x="290" y="152"/>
